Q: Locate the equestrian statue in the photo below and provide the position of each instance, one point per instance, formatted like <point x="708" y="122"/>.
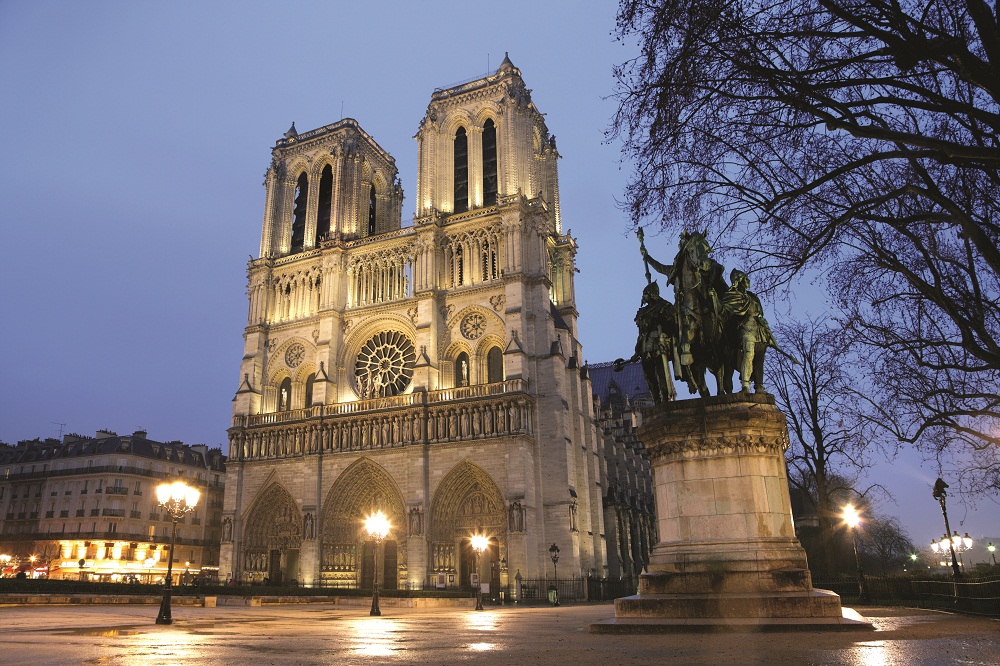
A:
<point x="712" y="326"/>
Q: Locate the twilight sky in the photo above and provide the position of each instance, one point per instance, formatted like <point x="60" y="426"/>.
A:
<point x="136" y="136"/>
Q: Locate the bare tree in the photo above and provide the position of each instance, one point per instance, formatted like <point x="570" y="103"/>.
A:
<point x="858" y="137"/>
<point x="885" y="545"/>
<point x="829" y="447"/>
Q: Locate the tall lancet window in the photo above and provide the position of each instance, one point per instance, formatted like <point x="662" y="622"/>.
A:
<point x="299" y="213"/>
<point x="461" y="171"/>
<point x="371" y="210"/>
<point x="325" y="197"/>
<point x="489" y="164"/>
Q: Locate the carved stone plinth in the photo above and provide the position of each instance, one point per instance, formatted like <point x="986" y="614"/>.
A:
<point x="727" y="557"/>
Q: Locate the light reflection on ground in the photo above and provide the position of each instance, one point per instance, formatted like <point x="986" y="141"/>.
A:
<point x="375" y="636"/>
<point x="482" y="647"/>
<point x="165" y="648"/>
<point x="871" y="653"/>
<point x="482" y="620"/>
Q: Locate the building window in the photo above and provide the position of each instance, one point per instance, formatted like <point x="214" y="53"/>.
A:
<point x="309" y="389"/>
<point x="299" y="213"/>
<point x="285" y="395"/>
<point x="490" y="180"/>
<point x="462" y="370"/>
<point x="494" y="365"/>
<point x="325" y="197"/>
<point x="461" y="171"/>
<point x="371" y="210"/>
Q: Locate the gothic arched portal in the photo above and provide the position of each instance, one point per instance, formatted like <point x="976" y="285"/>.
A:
<point x="467" y="502"/>
<point x="347" y="556"/>
<point x="272" y="536"/>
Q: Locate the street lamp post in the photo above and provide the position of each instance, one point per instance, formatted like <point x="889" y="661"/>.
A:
<point x="853" y="518"/>
<point x="993" y="552"/>
<point x="940" y="493"/>
<point x="957" y="544"/>
<point x="479" y="544"/>
<point x="554" y="554"/>
<point x="377" y="526"/>
<point x="177" y="499"/>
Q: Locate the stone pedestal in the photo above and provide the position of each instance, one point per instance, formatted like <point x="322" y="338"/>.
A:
<point x="727" y="557"/>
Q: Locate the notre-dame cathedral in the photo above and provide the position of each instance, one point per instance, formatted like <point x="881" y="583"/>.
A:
<point x="430" y="371"/>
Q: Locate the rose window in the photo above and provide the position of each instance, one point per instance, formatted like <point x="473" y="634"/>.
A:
<point x="385" y="365"/>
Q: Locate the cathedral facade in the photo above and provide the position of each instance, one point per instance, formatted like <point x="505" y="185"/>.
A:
<point x="431" y="372"/>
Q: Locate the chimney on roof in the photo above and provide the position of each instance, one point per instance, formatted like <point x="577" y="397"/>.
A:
<point x="139" y="434"/>
<point x="101" y="434"/>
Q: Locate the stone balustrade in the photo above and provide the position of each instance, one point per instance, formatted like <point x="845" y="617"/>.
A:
<point x="448" y="415"/>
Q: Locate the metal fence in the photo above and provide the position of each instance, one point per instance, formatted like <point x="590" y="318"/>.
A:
<point x="980" y="596"/>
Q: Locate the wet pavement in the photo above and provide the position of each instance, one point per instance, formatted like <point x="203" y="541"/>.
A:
<point x="328" y="634"/>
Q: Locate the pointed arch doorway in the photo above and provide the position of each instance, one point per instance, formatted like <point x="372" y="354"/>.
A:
<point x="468" y="502"/>
<point x="272" y="538"/>
<point x="347" y="555"/>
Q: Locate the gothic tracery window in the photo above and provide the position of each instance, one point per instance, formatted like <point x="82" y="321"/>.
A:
<point x="461" y="171"/>
<point x="371" y="210"/>
<point x="299" y="213"/>
<point x="325" y="198"/>
<point x="494" y="365"/>
<point x="490" y="179"/>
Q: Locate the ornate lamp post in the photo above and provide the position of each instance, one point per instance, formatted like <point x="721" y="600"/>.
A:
<point x="853" y="519"/>
<point x="957" y="544"/>
<point x="993" y="552"/>
<point x="479" y="544"/>
<point x="940" y="493"/>
<point x="554" y="554"/>
<point x="177" y="499"/>
<point x="377" y="526"/>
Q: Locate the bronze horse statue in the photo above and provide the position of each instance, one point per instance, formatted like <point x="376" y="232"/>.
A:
<point x="704" y="341"/>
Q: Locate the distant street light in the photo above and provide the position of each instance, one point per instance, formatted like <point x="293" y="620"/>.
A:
<point x="479" y="544"/>
<point x="377" y="526"/>
<point x="177" y="499"/>
<point x="853" y="519"/>
<point x="940" y="493"/>
<point x="993" y="552"/>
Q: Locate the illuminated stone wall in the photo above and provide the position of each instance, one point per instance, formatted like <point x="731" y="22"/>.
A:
<point x="442" y="357"/>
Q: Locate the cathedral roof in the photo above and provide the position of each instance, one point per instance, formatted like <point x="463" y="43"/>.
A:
<point x="607" y="383"/>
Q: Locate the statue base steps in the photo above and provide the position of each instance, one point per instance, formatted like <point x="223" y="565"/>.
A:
<point x="728" y="558"/>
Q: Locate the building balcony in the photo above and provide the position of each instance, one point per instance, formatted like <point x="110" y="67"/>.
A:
<point x="135" y="514"/>
<point x="64" y="514"/>
<point x="95" y="512"/>
<point x="50" y="514"/>
<point x="80" y="513"/>
<point x="84" y="491"/>
<point x="116" y="491"/>
<point x="114" y="512"/>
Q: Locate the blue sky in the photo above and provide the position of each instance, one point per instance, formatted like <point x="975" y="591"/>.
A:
<point x="136" y="136"/>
